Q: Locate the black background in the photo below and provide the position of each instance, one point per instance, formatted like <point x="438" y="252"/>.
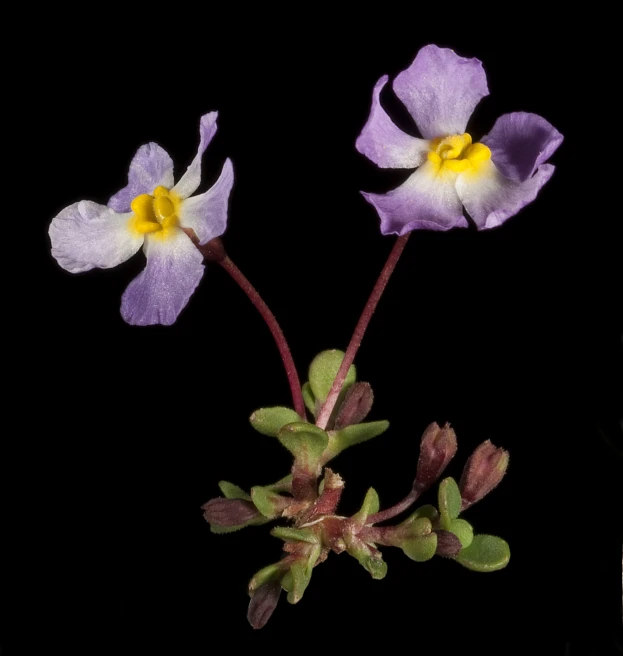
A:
<point x="512" y="335"/>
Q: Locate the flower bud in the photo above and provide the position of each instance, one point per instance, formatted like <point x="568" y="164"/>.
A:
<point x="263" y="603"/>
<point x="356" y="405"/>
<point x="229" y="512"/>
<point x="484" y="469"/>
<point x="448" y="544"/>
<point x="437" y="448"/>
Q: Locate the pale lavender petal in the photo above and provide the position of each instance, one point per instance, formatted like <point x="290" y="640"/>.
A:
<point x="441" y="90"/>
<point x="385" y="143"/>
<point x="425" y="201"/>
<point x="150" y="168"/>
<point x="520" y="142"/>
<point x="87" y="235"/>
<point x="160" y="292"/>
<point x="206" y="213"/>
<point x="490" y="198"/>
<point x="189" y="182"/>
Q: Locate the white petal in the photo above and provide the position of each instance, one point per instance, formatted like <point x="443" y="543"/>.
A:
<point x="87" y="235"/>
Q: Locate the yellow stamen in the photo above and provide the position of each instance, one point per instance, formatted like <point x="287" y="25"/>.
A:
<point x="155" y="213"/>
<point x="457" y="154"/>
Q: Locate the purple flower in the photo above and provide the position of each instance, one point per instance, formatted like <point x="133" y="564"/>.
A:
<point x="153" y="212"/>
<point x="492" y="179"/>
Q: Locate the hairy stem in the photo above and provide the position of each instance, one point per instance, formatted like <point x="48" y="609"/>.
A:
<point x="274" y="327"/>
<point x="360" y="329"/>
<point x="396" y="509"/>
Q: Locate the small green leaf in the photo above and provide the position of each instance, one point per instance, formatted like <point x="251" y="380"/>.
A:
<point x="463" y="531"/>
<point x="269" y="503"/>
<point x="299" y="576"/>
<point x="302" y="535"/>
<point x="418" y="528"/>
<point x="428" y="511"/>
<point x="305" y="442"/>
<point x="449" y="498"/>
<point x="376" y="566"/>
<point x="323" y="370"/>
<point x="282" y="485"/>
<point x="355" y="434"/>
<point x="309" y="398"/>
<point x="486" y="553"/>
<point x="420" y="549"/>
<point x="268" y="421"/>
<point x="265" y="575"/>
<point x="231" y="491"/>
<point x="221" y="530"/>
<point x="371" y="505"/>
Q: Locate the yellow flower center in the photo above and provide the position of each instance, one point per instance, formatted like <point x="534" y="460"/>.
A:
<point x="457" y="154"/>
<point x="155" y="213"/>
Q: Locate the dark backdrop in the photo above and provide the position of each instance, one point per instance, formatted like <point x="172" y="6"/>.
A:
<point x="512" y="335"/>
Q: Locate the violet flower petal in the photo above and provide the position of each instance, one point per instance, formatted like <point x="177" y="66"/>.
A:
<point x="441" y="90"/>
<point x="490" y="198"/>
<point x="160" y="292"/>
<point x="424" y="201"/>
<point x="386" y="144"/>
<point x="189" y="182"/>
<point x="520" y="142"/>
<point x="150" y="168"/>
<point x="206" y="213"/>
<point x="87" y="235"/>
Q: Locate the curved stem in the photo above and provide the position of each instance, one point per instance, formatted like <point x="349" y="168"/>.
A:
<point x="275" y="329"/>
<point x="360" y="329"/>
<point x="396" y="509"/>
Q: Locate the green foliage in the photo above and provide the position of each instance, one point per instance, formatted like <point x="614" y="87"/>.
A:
<point x="486" y="553"/>
<point x="231" y="491"/>
<point x="323" y="370"/>
<point x="449" y="498"/>
<point x="309" y="398"/>
<point x="463" y="531"/>
<point x="269" y="421"/>
<point x="370" y="506"/>
<point x="422" y="548"/>
<point x="305" y="442"/>
<point x="355" y="434"/>
<point x="298" y="534"/>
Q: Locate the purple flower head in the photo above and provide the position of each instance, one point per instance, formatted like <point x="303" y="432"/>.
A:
<point x="153" y="212"/>
<point x="492" y="179"/>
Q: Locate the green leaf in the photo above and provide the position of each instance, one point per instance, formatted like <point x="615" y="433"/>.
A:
<point x="463" y="531"/>
<point x="486" y="553"/>
<point x="376" y="566"/>
<point x="231" y="491"/>
<point x="371" y="505"/>
<point x="420" y="549"/>
<point x="268" y="421"/>
<point x="265" y="575"/>
<point x="305" y="442"/>
<point x="418" y="528"/>
<point x="299" y="576"/>
<point x="282" y="485"/>
<point x="323" y="370"/>
<point x="428" y="511"/>
<point x="449" y="498"/>
<point x="220" y="530"/>
<point x="301" y="535"/>
<point x="355" y="434"/>
<point x="269" y="503"/>
<point x="368" y="557"/>
<point x="309" y="398"/>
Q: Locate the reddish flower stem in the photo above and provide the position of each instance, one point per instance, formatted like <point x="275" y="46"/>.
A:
<point x="275" y="329"/>
<point x="401" y="506"/>
<point x="360" y="329"/>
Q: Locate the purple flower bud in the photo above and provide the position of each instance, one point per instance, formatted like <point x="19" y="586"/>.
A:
<point x="229" y="512"/>
<point x="448" y="544"/>
<point x="263" y="603"/>
<point x="484" y="469"/>
<point x="437" y="448"/>
<point x="356" y="405"/>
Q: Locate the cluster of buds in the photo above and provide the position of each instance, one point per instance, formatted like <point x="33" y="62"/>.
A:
<point x="310" y="507"/>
